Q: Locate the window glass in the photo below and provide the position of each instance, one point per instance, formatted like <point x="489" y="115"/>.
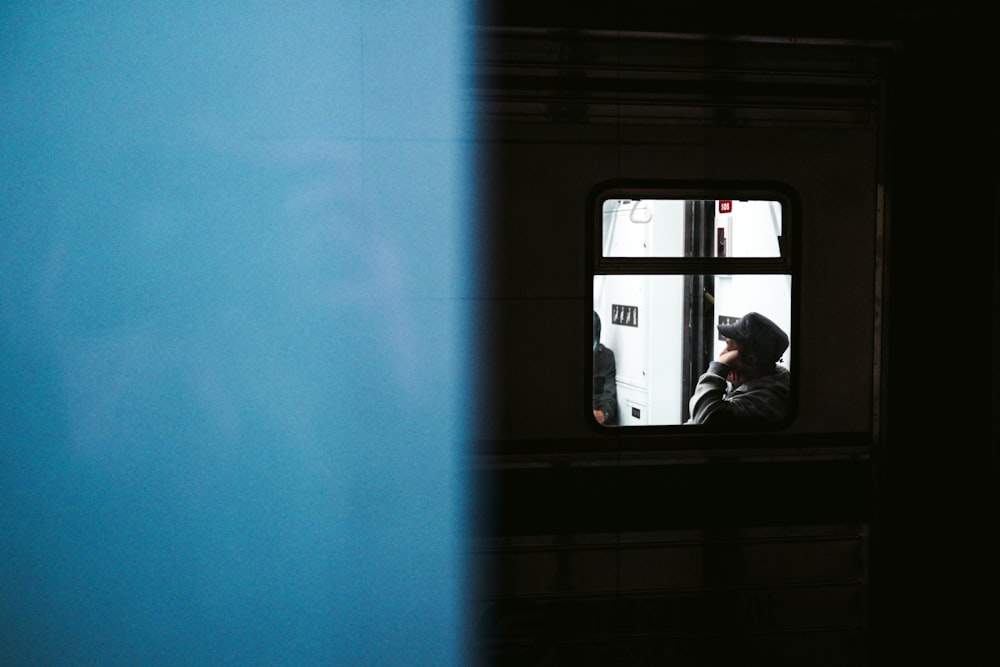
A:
<point x="659" y="227"/>
<point x="669" y="273"/>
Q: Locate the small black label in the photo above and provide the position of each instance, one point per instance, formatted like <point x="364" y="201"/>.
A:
<point x="636" y="412"/>
<point x="626" y="316"/>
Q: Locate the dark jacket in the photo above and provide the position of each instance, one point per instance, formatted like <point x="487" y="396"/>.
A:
<point x="763" y="400"/>
<point x="605" y="387"/>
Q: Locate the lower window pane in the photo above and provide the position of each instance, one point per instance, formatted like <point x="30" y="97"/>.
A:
<point x="660" y="332"/>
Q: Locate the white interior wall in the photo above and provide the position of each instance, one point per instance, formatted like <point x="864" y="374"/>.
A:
<point x="649" y="355"/>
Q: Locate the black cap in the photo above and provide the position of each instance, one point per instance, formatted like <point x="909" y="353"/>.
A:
<point x="761" y="334"/>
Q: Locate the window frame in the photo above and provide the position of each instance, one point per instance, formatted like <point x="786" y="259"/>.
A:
<point x="787" y="263"/>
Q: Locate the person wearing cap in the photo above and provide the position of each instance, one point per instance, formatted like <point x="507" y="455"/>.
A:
<point x="605" y="385"/>
<point x="745" y="384"/>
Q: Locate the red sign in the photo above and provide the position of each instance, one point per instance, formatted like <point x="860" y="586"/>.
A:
<point x="725" y="206"/>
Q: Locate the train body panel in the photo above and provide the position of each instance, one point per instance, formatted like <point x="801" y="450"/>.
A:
<point x="654" y="542"/>
<point x="540" y="186"/>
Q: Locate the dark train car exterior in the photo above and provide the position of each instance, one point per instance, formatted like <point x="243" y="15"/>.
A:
<point x="862" y="529"/>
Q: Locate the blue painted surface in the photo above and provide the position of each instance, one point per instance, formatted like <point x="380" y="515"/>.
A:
<point x="232" y="306"/>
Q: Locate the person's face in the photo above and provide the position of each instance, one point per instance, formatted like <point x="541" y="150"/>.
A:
<point x="733" y="345"/>
<point x="741" y="365"/>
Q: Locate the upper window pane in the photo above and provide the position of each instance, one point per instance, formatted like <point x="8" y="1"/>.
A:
<point x="691" y="228"/>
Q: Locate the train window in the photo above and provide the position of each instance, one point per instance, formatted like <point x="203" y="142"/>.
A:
<point x="672" y="275"/>
<point x="659" y="228"/>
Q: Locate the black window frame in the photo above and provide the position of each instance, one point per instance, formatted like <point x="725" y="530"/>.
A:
<point x="787" y="263"/>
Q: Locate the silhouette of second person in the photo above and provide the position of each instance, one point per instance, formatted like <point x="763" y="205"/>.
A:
<point x="605" y="384"/>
